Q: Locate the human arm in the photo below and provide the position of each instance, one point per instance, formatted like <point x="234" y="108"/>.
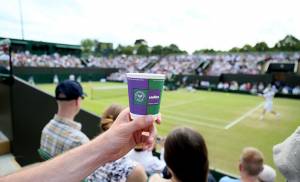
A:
<point x="78" y="163"/>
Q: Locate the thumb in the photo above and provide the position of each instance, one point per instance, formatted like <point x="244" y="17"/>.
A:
<point x="140" y="123"/>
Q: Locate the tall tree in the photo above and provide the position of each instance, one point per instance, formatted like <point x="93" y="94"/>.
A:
<point x="140" y="42"/>
<point x="261" y="46"/>
<point x="87" y="46"/>
<point x="157" y="50"/>
<point x="143" y="50"/>
<point x="289" y="43"/>
<point x="247" y="48"/>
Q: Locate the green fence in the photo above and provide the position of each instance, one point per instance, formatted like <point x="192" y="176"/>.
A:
<point x="46" y="75"/>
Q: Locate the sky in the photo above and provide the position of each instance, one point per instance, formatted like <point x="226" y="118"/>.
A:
<point x="190" y="24"/>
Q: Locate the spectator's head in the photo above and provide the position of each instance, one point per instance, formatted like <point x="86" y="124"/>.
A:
<point x="186" y="155"/>
<point x="268" y="174"/>
<point x="287" y="157"/>
<point x="68" y="95"/>
<point x="110" y="115"/>
<point x="251" y="162"/>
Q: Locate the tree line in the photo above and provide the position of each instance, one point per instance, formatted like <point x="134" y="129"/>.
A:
<point x="140" y="47"/>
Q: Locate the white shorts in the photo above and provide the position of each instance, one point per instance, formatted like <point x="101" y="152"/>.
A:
<point x="268" y="106"/>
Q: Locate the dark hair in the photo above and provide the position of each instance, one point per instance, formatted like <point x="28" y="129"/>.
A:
<point x="110" y="115"/>
<point x="186" y="155"/>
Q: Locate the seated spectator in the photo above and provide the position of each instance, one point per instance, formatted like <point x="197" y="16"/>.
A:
<point x="145" y="157"/>
<point x="248" y="86"/>
<point x="251" y="164"/>
<point x="261" y="87"/>
<point x="253" y="89"/>
<point x="285" y="90"/>
<point x="220" y="86"/>
<point x="226" y="86"/>
<point x="296" y="90"/>
<point x="205" y="84"/>
<point x="123" y="169"/>
<point x="55" y="79"/>
<point x="268" y="174"/>
<point x="242" y="87"/>
<point x="62" y="132"/>
<point x="186" y="157"/>
<point x="286" y="157"/>
<point x="234" y="86"/>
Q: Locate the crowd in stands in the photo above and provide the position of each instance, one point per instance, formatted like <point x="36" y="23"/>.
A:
<point x="55" y="60"/>
<point x="204" y="64"/>
<point x="201" y="64"/>
<point x="253" y="88"/>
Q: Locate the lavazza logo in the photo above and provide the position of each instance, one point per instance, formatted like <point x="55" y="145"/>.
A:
<point x="139" y="96"/>
<point x="154" y="97"/>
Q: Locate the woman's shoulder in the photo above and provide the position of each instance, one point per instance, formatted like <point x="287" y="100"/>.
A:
<point x="157" y="178"/>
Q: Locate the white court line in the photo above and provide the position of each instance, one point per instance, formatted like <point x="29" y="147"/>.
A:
<point x="196" y="117"/>
<point x="231" y="124"/>
<point x="185" y="120"/>
<point x="180" y="103"/>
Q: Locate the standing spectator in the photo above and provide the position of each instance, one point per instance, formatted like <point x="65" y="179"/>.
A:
<point x="186" y="157"/>
<point x="251" y="164"/>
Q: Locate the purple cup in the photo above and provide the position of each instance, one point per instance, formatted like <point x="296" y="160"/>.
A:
<point x="144" y="92"/>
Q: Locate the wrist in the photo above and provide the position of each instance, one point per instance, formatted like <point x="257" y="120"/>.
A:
<point x="100" y="147"/>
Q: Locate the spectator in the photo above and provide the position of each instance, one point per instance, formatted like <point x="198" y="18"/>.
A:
<point x="251" y="164"/>
<point x="268" y="174"/>
<point x="226" y="86"/>
<point x="285" y="90"/>
<point x="234" y="86"/>
<point x="62" y="132"/>
<point x="287" y="157"/>
<point x="220" y="86"/>
<point x="123" y="169"/>
<point x="55" y="79"/>
<point x="145" y="157"/>
<point x="186" y="156"/>
<point x="261" y="87"/>
<point x="296" y="90"/>
<point x="254" y="89"/>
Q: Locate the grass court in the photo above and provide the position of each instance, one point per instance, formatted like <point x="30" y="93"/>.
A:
<point x="228" y="122"/>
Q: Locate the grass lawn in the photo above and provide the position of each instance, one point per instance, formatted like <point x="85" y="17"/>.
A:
<point x="228" y="122"/>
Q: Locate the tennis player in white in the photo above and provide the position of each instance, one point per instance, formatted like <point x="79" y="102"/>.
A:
<point x="269" y="94"/>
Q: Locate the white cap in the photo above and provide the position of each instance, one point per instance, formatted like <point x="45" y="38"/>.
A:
<point x="268" y="174"/>
<point x="287" y="157"/>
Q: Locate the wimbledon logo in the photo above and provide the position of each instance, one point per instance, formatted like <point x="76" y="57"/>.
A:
<point x="139" y="96"/>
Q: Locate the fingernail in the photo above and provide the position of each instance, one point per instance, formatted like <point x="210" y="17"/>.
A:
<point x="149" y="118"/>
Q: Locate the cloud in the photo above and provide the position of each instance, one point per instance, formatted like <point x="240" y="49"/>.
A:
<point x="191" y="24"/>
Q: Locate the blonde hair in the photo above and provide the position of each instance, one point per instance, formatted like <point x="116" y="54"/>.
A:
<point x="252" y="161"/>
<point x="110" y="115"/>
